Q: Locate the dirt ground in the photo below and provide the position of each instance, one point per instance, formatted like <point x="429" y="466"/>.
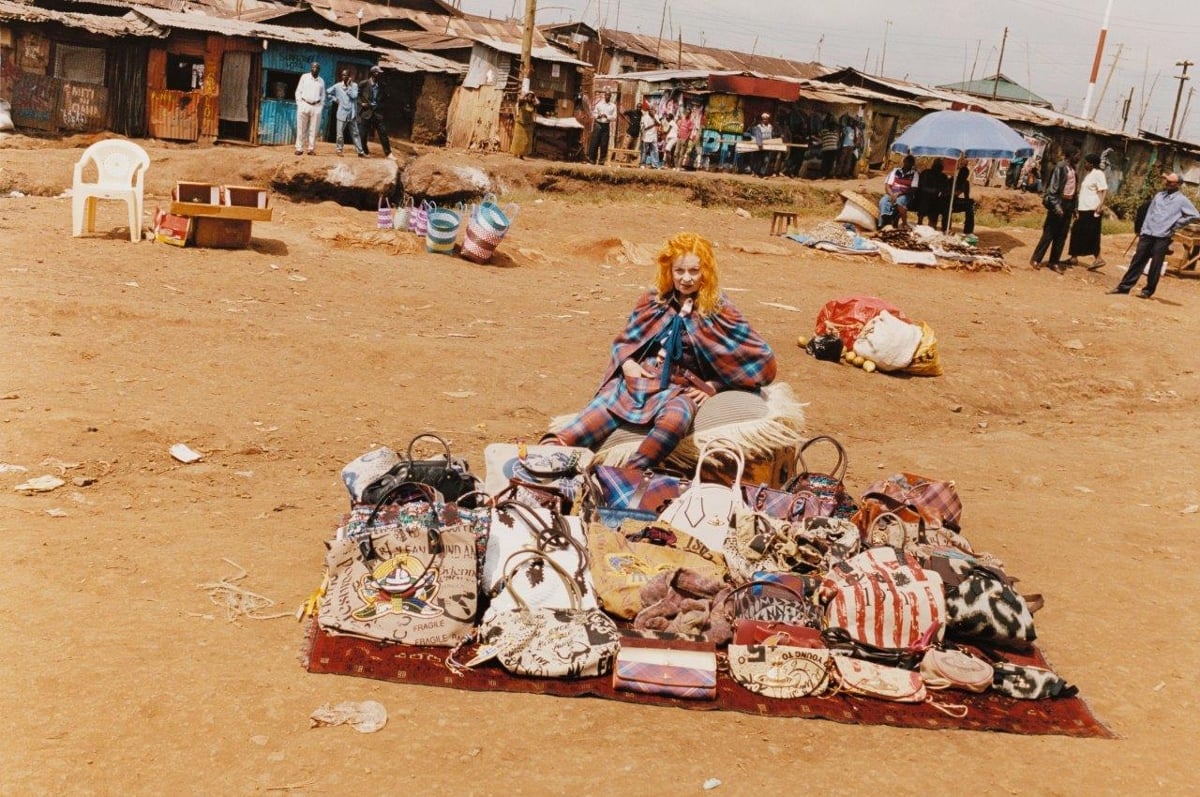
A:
<point x="1066" y="416"/>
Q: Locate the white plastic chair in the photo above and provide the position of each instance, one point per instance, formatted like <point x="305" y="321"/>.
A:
<point x="121" y="166"/>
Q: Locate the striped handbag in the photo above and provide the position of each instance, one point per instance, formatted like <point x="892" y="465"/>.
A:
<point x="442" y="231"/>
<point x="883" y="597"/>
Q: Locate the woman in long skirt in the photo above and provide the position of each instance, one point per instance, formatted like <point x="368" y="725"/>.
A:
<point x="1085" y="235"/>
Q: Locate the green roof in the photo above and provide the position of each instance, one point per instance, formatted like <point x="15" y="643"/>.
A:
<point x="1004" y="89"/>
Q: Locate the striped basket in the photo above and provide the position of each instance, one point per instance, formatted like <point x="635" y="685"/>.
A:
<point x="418" y="218"/>
<point x="442" y="231"/>
<point x="486" y="229"/>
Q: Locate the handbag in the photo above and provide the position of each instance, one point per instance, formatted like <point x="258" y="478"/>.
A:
<point x="545" y="642"/>
<point x="781" y="599"/>
<point x="676" y="668"/>
<point x="367" y="469"/>
<point x="950" y="668"/>
<point x="883" y="597"/>
<point x="400" y="215"/>
<point x="984" y="607"/>
<point x="911" y="496"/>
<point x="441" y="233"/>
<point x="829" y="497"/>
<point x="516" y="526"/>
<point x="1026" y="682"/>
<point x="415" y="585"/>
<point x="762" y="544"/>
<point x="776" y="669"/>
<point x="384" y="221"/>
<point x="868" y="679"/>
<point x="418" y="217"/>
<point x="560" y="467"/>
<point x="621" y="568"/>
<point x="706" y="509"/>
<point x="450" y="475"/>
<point x="626" y="488"/>
<point x="486" y="228"/>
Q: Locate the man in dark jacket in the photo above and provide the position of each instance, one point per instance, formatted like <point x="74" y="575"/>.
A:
<point x="370" y="112"/>
<point x="1061" y="193"/>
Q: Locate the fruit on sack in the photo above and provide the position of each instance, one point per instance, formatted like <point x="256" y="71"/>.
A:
<point x="868" y="366"/>
<point x="802" y="341"/>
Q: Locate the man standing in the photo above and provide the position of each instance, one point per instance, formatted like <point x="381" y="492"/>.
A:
<point x="603" y="112"/>
<point x="345" y="94"/>
<point x="370" y="112"/>
<point x="898" y="191"/>
<point x="761" y="132"/>
<point x="1059" y="200"/>
<point x="1169" y="210"/>
<point x="310" y="101"/>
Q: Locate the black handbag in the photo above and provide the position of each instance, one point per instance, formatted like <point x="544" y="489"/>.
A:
<point x="449" y="475"/>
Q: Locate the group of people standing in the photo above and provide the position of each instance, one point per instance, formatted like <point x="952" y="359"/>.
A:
<point x="1075" y="204"/>
<point x="359" y="111"/>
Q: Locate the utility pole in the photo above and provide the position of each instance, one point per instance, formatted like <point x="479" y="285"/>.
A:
<point x="1125" y="109"/>
<point x="1087" y="100"/>
<point x="1146" y="99"/>
<point x="820" y="41"/>
<point x="883" y="58"/>
<point x="1179" y="94"/>
<point x="999" y="64"/>
<point x="1107" y="78"/>
<point x="661" y="25"/>
<point x="527" y="47"/>
<point x="1186" y="106"/>
<point x="866" y="59"/>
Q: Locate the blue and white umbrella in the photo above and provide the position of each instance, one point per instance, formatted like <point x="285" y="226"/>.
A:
<point x="961" y="134"/>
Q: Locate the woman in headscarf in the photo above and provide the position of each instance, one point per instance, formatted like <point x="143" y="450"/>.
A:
<point x="684" y="342"/>
<point x="522" y="140"/>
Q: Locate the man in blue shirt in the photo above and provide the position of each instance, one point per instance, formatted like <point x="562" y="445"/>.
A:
<point x="1169" y="210"/>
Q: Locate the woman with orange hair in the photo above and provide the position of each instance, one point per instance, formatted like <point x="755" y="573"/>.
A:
<point x="684" y="342"/>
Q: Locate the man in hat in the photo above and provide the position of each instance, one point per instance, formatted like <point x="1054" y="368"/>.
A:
<point x="310" y="101"/>
<point x="1169" y="210"/>
<point x="370" y="116"/>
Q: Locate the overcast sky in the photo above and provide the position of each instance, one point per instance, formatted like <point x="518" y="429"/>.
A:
<point x="1050" y="45"/>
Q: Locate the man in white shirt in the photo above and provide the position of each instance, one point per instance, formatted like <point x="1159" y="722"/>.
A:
<point x="310" y="101"/>
<point x="603" y="112"/>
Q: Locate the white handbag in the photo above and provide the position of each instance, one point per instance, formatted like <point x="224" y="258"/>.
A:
<point x="516" y="526"/>
<point x="559" y="467"/>
<point x="706" y="509"/>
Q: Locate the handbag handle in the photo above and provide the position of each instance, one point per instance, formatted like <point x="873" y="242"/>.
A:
<point x="553" y="535"/>
<point x="839" y="470"/>
<point x="920" y="524"/>
<point x="366" y="545"/>
<point x="761" y="583"/>
<point x="413" y="442"/>
<point x="383" y="203"/>
<point x="723" y="445"/>
<point x="510" y="570"/>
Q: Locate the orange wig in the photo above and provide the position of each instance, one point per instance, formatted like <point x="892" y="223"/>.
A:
<point x="680" y="244"/>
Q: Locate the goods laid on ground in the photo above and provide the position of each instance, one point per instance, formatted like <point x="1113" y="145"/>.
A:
<point x="786" y="599"/>
<point x="871" y="334"/>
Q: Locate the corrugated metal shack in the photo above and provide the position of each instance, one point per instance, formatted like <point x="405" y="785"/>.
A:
<point x="67" y="72"/>
<point x="214" y="78"/>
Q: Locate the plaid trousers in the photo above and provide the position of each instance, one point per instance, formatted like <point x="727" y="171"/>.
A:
<point x="596" y="422"/>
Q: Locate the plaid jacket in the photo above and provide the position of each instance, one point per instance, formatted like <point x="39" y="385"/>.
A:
<point x="721" y="349"/>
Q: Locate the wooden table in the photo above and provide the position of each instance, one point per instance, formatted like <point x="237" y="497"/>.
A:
<point x="1187" y="250"/>
<point x="221" y="226"/>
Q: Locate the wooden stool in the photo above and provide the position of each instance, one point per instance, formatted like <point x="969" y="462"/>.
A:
<point x="782" y="221"/>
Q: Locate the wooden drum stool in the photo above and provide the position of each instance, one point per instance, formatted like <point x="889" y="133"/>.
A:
<point x="782" y="222"/>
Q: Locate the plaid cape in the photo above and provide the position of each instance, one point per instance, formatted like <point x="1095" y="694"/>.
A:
<point x="720" y="348"/>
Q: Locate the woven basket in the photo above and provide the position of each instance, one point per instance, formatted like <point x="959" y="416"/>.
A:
<point x="864" y="203"/>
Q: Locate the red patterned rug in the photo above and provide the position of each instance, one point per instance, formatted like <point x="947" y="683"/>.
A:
<point x="341" y="655"/>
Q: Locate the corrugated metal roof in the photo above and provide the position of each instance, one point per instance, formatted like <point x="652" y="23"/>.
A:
<point x="543" y="53"/>
<point x="424" y="40"/>
<point x="345" y="12"/>
<point x="693" y="56"/>
<point x="333" y="40"/>
<point x="810" y="89"/>
<point x="411" y="61"/>
<point x="93" y="23"/>
<point x="1005" y="89"/>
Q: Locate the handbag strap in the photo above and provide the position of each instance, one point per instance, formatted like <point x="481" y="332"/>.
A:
<point x="920" y="524"/>
<point x="760" y="583"/>
<point x="510" y="570"/>
<point x="839" y="470"/>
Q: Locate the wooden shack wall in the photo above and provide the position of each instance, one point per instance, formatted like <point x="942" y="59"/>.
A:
<point x="44" y="100"/>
